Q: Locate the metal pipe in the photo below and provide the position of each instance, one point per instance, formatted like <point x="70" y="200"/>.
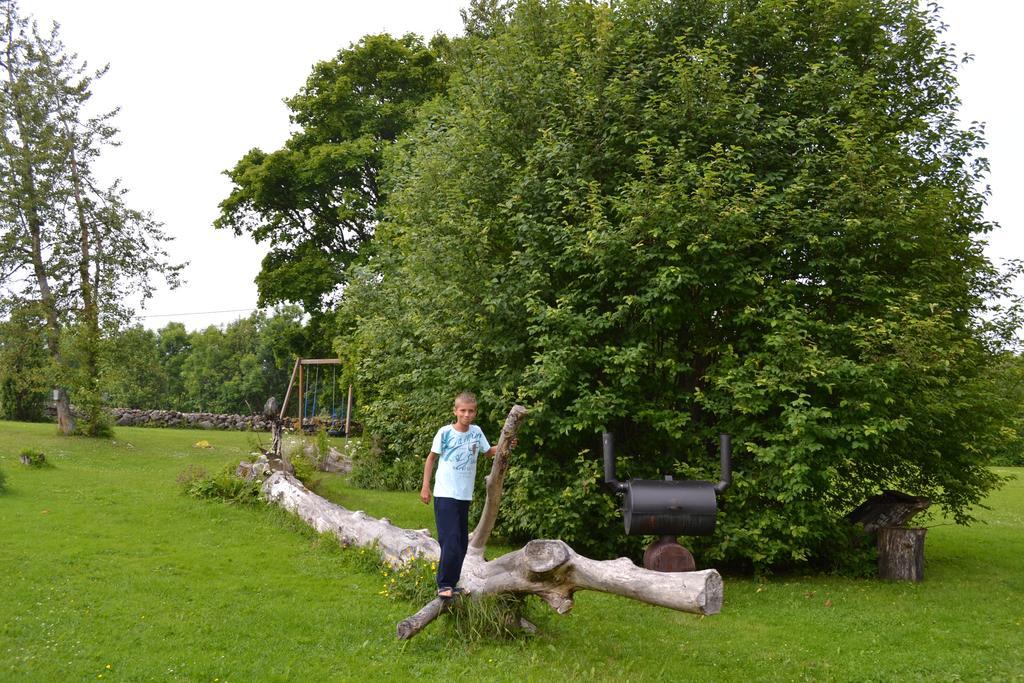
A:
<point x="725" y="449"/>
<point x="610" y="481"/>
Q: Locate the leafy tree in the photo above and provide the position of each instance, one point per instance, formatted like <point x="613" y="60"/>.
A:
<point x="69" y="243"/>
<point x="218" y="372"/>
<point x="23" y="367"/>
<point x="173" y="347"/>
<point x="316" y="200"/>
<point x="234" y="370"/>
<point x="132" y="375"/>
<point x="675" y="219"/>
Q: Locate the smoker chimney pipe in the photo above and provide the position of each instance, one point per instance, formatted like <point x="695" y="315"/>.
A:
<point x="725" y="449"/>
<point x="610" y="481"/>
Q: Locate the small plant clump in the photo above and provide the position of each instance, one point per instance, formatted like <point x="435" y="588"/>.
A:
<point x="33" y="458"/>
<point x="3" y="481"/>
<point x="489" y="617"/>
<point x="224" y="485"/>
<point x="492" y="617"/>
<point x="372" y="469"/>
<point x="303" y="467"/>
<point x="323" y="445"/>
<point x="413" y="582"/>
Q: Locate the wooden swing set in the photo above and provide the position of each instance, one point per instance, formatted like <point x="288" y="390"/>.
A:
<point x="299" y="371"/>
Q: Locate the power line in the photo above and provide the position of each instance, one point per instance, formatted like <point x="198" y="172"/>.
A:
<point x="178" y="315"/>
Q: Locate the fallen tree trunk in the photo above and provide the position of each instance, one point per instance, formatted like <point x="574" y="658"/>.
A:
<point x="549" y="569"/>
<point x="396" y="545"/>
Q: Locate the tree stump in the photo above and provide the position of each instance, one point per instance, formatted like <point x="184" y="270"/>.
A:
<point x="270" y="411"/>
<point x="901" y="553"/>
<point x="888" y="509"/>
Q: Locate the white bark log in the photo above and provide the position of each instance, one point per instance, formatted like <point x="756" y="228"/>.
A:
<point x="554" y="571"/>
<point x="495" y="481"/>
<point x="396" y="545"/>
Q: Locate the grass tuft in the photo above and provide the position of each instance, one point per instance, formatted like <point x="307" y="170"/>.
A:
<point x="490" y="617"/>
<point x="225" y="485"/>
<point x="33" y="458"/>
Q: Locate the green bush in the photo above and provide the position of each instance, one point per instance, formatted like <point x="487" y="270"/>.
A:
<point x="224" y="485"/>
<point x="371" y="469"/>
<point x="24" y="366"/>
<point x="303" y="466"/>
<point x="95" y="422"/>
<point x="19" y="403"/>
<point x="323" y="445"/>
<point x="33" y="458"/>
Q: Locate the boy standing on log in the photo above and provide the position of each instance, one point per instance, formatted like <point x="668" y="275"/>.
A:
<point x="457" y="446"/>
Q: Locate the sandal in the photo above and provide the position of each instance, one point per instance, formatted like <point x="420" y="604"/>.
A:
<point x="446" y="593"/>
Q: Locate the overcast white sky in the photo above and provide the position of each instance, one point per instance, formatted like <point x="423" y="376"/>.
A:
<point x="200" y="83"/>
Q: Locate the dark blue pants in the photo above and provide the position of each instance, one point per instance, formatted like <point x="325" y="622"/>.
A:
<point x="452" y="518"/>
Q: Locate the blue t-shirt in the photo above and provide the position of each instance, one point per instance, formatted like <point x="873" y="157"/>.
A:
<point x="456" y="466"/>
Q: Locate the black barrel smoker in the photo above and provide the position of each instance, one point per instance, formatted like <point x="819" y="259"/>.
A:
<point x="668" y="508"/>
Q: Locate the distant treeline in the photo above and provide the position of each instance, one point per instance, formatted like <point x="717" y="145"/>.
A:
<point x="229" y="369"/>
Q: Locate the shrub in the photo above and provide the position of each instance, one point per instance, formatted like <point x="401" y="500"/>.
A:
<point x="95" y="422"/>
<point x="304" y="466"/>
<point x="323" y="445"/>
<point x="225" y="485"/>
<point x="33" y="458"/>
<point x="371" y="469"/>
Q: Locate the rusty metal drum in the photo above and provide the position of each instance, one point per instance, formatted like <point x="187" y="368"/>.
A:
<point x="666" y="555"/>
<point x="669" y="508"/>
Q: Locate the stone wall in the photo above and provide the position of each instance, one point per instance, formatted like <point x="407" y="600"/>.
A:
<point x="127" y="417"/>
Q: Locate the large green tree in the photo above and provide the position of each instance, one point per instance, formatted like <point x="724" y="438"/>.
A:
<point x="673" y="219"/>
<point x="70" y="245"/>
<point x="315" y="202"/>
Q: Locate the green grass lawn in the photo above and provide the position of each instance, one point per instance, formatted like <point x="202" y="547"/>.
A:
<point x="108" y="572"/>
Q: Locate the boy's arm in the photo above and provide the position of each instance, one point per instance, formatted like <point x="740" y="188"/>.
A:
<point x="428" y="469"/>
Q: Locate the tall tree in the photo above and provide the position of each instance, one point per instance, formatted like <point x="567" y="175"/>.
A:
<point x="131" y="372"/>
<point x="315" y="202"/>
<point x="70" y="243"/>
<point x="671" y="219"/>
<point x="173" y="346"/>
<point x="23" y="366"/>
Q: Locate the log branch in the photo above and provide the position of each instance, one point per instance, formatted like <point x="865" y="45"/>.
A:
<point x="409" y="627"/>
<point x="495" y="481"/>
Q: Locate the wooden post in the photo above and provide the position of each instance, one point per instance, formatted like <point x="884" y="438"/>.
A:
<point x="302" y="397"/>
<point x="288" y="393"/>
<point x="348" y="411"/>
<point x="901" y="553"/>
